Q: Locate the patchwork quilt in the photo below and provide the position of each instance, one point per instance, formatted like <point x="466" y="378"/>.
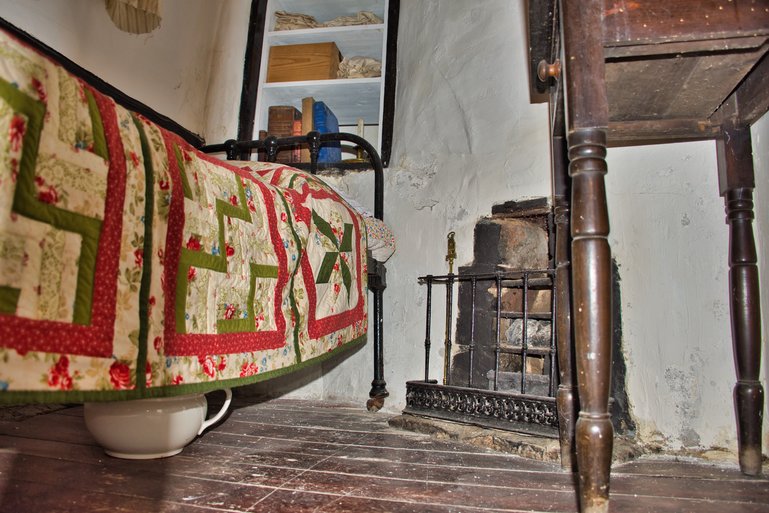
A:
<point x="131" y="265"/>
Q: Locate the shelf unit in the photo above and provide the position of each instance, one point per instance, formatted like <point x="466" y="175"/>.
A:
<point x="370" y="99"/>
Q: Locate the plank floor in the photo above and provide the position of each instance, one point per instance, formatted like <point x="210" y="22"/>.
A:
<point x="297" y="456"/>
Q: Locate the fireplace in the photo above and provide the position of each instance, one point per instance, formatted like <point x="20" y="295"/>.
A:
<point x="515" y="238"/>
<point x="502" y="370"/>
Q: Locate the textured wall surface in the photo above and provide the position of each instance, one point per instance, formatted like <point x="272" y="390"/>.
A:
<point x="168" y="69"/>
<point x="466" y="138"/>
<point x="760" y="137"/>
<point x="670" y="241"/>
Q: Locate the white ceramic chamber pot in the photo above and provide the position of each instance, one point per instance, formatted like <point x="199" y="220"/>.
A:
<point x="150" y="428"/>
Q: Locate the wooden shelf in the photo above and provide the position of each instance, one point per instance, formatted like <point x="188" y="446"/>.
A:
<point x="352" y="41"/>
<point x="349" y="99"/>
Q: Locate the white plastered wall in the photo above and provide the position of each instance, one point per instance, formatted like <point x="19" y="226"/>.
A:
<point x="167" y="69"/>
<point x="760" y="137"/>
<point x="670" y="240"/>
<point x="466" y="137"/>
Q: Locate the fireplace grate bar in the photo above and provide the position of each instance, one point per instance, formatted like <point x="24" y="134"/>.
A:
<point x="498" y="326"/>
<point x="553" y="339"/>
<point x="447" y="343"/>
<point x="513" y="349"/>
<point x="499" y="410"/>
<point x="429" y="281"/>
<point x="525" y="332"/>
<point x="509" y="279"/>
<point x="471" y="347"/>
<point x="544" y="316"/>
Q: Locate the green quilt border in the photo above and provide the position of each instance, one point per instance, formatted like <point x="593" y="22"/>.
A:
<point x="189" y="258"/>
<point x="292" y="296"/>
<point x="26" y="203"/>
<point x="144" y="288"/>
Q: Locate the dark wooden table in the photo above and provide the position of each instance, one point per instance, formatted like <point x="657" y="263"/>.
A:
<point x="645" y="71"/>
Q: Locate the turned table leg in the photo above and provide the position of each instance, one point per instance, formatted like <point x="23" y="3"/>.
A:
<point x="736" y="183"/>
<point x="588" y="119"/>
<point x="566" y="396"/>
<point x="591" y="308"/>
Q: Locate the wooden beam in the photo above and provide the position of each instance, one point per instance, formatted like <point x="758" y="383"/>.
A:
<point x="750" y="100"/>
<point x="643" y="22"/>
<point x="660" y="130"/>
<point x="678" y="48"/>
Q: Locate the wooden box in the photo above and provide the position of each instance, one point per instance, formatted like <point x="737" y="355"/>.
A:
<point x="290" y="63"/>
<point x="285" y="121"/>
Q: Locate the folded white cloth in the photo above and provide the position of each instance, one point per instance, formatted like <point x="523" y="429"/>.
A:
<point x="359" y="67"/>
<point x="294" y="20"/>
<point x="362" y="18"/>
<point x="285" y="20"/>
<point x="381" y="240"/>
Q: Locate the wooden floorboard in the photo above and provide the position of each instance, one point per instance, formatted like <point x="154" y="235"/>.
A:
<point x="296" y="456"/>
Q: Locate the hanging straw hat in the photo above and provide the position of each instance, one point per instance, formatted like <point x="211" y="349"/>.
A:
<point x="134" y="16"/>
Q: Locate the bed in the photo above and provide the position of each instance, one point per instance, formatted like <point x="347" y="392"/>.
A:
<point x="133" y="265"/>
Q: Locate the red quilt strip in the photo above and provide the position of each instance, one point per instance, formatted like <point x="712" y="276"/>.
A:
<point x="196" y="344"/>
<point x="23" y="334"/>
<point x="320" y="327"/>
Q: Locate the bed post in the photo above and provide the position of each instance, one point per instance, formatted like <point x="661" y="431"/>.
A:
<point x="377" y="283"/>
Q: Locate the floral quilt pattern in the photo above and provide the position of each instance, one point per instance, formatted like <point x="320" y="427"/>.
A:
<point x="132" y="265"/>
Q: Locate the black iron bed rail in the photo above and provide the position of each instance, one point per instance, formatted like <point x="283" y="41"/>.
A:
<point x="377" y="272"/>
<point x="234" y="149"/>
